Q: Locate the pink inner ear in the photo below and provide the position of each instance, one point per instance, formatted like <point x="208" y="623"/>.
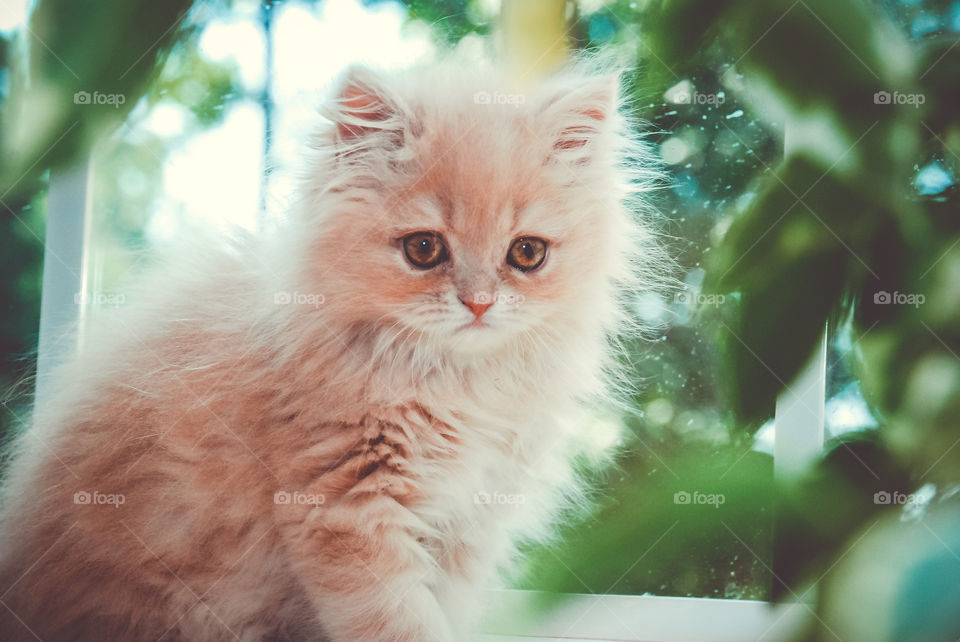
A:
<point x="361" y="104"/>
<point x="577" y="136"/>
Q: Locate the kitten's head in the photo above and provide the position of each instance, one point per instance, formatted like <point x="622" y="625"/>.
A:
<point x="465" y="213"/>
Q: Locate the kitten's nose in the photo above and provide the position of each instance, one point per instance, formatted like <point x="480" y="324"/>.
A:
<point x="476" y="307"/>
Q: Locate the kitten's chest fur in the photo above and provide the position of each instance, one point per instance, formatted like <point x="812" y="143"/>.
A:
<point x="451" y="467"/>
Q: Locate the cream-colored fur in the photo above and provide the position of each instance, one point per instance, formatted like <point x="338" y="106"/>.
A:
<point x="309" y="439"/>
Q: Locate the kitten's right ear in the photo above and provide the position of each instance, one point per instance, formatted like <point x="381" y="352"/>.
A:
<point x="579" y="116"/>
<point x="363" y="107"/>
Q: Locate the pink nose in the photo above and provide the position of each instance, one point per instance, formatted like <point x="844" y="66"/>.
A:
<point x="477" y="308"/>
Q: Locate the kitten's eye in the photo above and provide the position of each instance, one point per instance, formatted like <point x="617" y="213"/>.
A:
<point x="527" y="253"/>
<point x="425" y="249"/>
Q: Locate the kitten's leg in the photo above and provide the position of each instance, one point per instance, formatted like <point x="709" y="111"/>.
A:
<point x="461" y="599"/>
<point x="367" y="575"/>
<point x="469" y="565"/>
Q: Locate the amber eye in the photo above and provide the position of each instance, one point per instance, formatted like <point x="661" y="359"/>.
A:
<point x="527" y="253"/>
<point x="425" y="249"/>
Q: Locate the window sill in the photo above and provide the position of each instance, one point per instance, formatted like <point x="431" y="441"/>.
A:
<point x="631" y="618"/>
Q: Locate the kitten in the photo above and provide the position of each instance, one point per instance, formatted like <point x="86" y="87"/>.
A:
<point x="343" y="433"/>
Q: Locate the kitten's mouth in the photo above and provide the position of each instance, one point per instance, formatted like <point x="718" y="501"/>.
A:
<point x="476" y="323"/>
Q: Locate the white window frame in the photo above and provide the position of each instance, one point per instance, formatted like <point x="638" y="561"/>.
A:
<point x="798" y="440"/>
<point x="69" y="203"/>
<point x="642" y="618"/>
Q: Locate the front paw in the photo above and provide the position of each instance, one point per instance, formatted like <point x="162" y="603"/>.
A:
<point x="391" y="616"/>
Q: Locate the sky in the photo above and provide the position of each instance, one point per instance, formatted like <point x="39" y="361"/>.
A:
<point x="13" y="13"/>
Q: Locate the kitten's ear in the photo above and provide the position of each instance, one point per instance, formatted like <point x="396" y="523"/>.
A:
<point x="578" y="117"/>
<point x="364" y="107"/>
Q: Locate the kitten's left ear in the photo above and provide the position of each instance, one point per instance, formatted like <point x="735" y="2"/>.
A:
<point x="578" y="117"/>
<point x="364" y="107"/>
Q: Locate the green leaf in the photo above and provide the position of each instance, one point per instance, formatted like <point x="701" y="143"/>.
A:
<point x="790" y="256"/>
<point x="111" y="48"/>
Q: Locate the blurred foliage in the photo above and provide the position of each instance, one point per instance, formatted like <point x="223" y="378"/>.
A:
<point x="638" y="524"/>
<point x="73" y="53"/>
<point x="148" y="55"/>
<point x="21" y="267"/>
<point x="451" y="19"/>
